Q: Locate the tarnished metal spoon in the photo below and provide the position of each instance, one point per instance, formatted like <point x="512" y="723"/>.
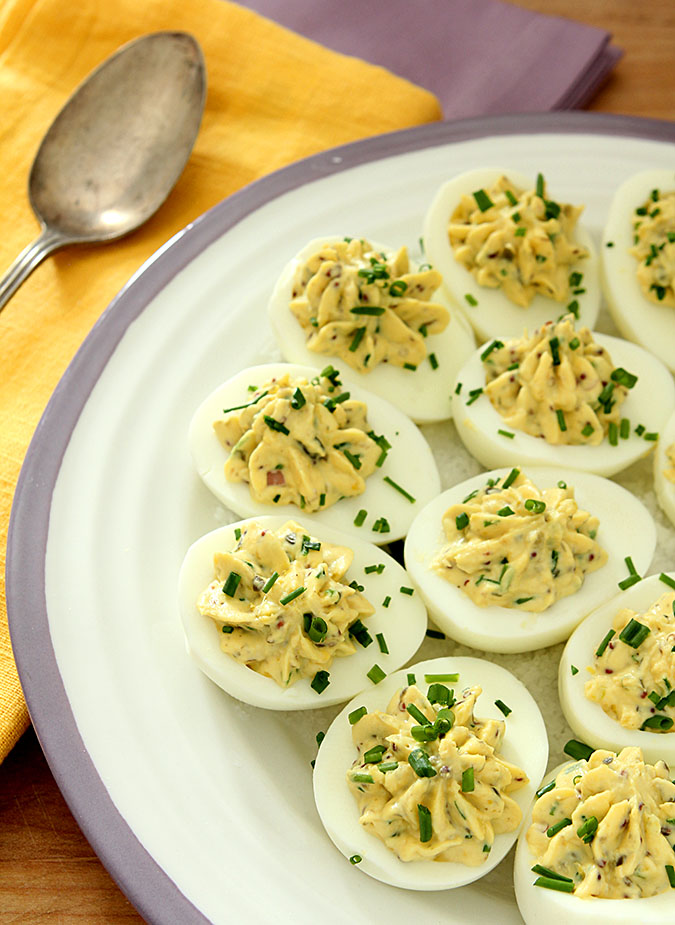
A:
<point x="116" y="149"/>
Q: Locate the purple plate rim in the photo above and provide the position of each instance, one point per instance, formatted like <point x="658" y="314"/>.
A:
<point x="156" y="897"/>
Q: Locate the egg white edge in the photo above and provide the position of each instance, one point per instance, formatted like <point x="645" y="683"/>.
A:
<point x="509" y="319"/>
<point x="202" y="635"/>
<point x="665" y="490"/>
<point x="337" y="752"/>
<point x="586" y="717"/>
<point x="451" y="347"/>
<point x="567" y="909"/>
<point x="638" y="319"/>
<point x="639" y="407"/>
<point x="488" y="628"/>
<point x="410" y="462"/>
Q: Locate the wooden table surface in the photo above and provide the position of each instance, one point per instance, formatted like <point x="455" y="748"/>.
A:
<point x="48" y="871"/>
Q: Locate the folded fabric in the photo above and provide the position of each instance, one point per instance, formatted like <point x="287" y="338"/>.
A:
<point x="273" y="98"/>
<point x="477" y="56"/>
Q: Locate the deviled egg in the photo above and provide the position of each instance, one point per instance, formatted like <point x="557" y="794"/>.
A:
<point x="510" y="256"/>
<point x="598" y="844"/>
<point x="664" y="469"/>
<point x="433" y="795"/>
<point x="638" y="261"/>
<point x="294" y="440"/>
<point x="618" y="669"/>
<point x="292" y="616"/>
<point x="532" y="530"/>
<point x="562" y="397"/>
<point x="378" y="318"/>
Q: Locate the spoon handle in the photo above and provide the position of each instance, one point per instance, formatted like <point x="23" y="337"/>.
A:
<point x="26" y="262"/>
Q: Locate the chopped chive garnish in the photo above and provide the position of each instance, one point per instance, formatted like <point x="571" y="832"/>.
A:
<point x="609" y="244"/>
<point x="573" y="307"/>
<point x="398" y="488"/>
<point x="653" y="436"/>
<point x="411" y="679"/>
<point x="468" y="783"/>
<point x="613" y="435"/>
<point x="320" y="682"/>
<point x="356" y="339"/>
<point x="355" y="585"/>
<point x="369" y="569"/>
<point x="356" y="715"/>
<point x="318" y="628"/>
<point x="623" y="377"/>
<point x="237" y="533"/>
<point x="462" y="521"/>
<point x="292" y="596"/>
<point x="368" y="310"/>
<point x="474" y="395"/>
<point x="439" y="693"/>
<point x="376" y="674"/>
<point x="397" y="288"/>
<point x="227" y="629"/>
<point x="553" y="830"/>
<point x="544" y="789"/>
<point x="660" y="722"/>
<point x="554" y="344"/>
<point x="231" y="584"/>
<point x="506" y="433"/>
<point x="667" y="580"/>
<point x="561" y="419"/>
<point x="471" y="299"/>
<point x="360" y="777"/>
<point x="511" y="198"/>
<point x="605" y="642"/>
<point x="458" y="388"/>
<point x="388" y="766"/>
<point x="551" y="883"/>
<point x="587" y="830"/>
<point x="374" y="755"/>
<point x="629" y="582"/>
<point x="511" y="477"/>
<point x="523" y="600"/>
<point x="483" y="201"/>
<point x="495" y="345"/>
<point x="270" y="582"/>
<point x="381" y="525"/>
<point x="578" y="750"/>
<point x="520" y="232"/>
<point x="354" y="460"/>
<point x="433" y="360"/>
<point x="386" y="602"/>
<point x="360" y="517"/>
<point x="634" y="633"/>
<point x="502" y="706"/>
<point x="410" y="366"/>
<point x="440" y="678"/>
<point x="275" y="425"/>
<point x="505" y="512"/>
<point x="624" y="429"/>
<point x="575" y="343"/>
<point x="640" y="429"/>
<point x="424" y="818"/>
<point x="574" y="670"/>
<point x="417" y="714"/>
<point x="405" y="590"/>
<point x="355" y="859"/>
<point x="248" y="404"/>
<point x="419" y="762"/>
<point x="535" y="506"/>
<point x="540" y="185"/>
<point x="670" y="870"/>
<point x="545" y="872"/>
<point x="382" y="643"/>
<point x="298" y="399"/>
<point x="434" y="634"/>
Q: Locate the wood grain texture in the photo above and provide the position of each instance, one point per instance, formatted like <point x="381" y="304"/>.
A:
<point x="49" y="874"/>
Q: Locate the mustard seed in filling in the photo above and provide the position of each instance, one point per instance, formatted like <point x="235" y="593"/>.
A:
<point x="512" y="545"/>
<point x="608" y="826"/>
<point x="281" y="604"/>
<point x="429" y="780"/>
<point x="634" y="683"/>
<point x="518" y="241"/>
<point x="366" y="307"/>
<point x="654" y="247"/>
<point x="300" y="442"/>
<point x="557" y="384"/>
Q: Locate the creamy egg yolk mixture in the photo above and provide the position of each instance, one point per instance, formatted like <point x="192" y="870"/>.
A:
<point x="557" y="384"/>
<point x="512" y="545"/>
<point x="518" y="241"/>
<point x="670" y="456"/>
<point x="631" y="678"/>
<point x="654" y="247"/>
<point x="366" y="307"/>
<point x="300" y="442"/>
<point x="280" y="603"/>
<point x="608" y="825"/>
<point x="429" y="781"/>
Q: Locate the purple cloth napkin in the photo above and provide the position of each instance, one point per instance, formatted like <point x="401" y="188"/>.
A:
<point x="477" y="56"/>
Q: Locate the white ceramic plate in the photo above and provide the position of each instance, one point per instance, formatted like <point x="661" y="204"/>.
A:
<point x="202" y="807"/>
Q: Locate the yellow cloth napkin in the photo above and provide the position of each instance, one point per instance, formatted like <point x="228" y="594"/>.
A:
<point x="273" y="97"/>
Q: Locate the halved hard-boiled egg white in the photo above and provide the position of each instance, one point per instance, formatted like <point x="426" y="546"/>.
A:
<point x="538" y="904"/>
<point x="664" y="468"/>
<point x="625" y="529"/>
<point x="423" y="392"/>
<point x="525" y="746"/>
<point x="488" y="310"/>
<point x="647" y="407"/>
<point x="648" y="322"/>
<point x="398" y="623"/>
<point x="587" y="717"/>
<point x="398" y="487"/>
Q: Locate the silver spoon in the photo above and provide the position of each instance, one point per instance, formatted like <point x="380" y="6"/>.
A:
<point x="116" y="149"/>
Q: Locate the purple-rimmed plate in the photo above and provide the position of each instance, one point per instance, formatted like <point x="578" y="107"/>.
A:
<point x="199" y="806"/>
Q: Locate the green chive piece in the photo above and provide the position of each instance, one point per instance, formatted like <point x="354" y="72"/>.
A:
<point x="386" y="602"/>
<point x="397" y="288"/>
<point x="613" y="435"/>
<point x="474" y="395"/>
<point x="653" y="436"/>
<point x="575" y="343"/>
<point x="495" y="345"/>
<point x="298" y="399"/>
<point x="505" y="512"/>
<point x="587" y="830"/>
<point x="629" y="582"/>
<point x="360" y="517"/>
<point x="355" y="859"/>
<point x="292" y="596"/>
<point x="471" y="299"/>
<point x="424" y="817"/>
<point x="248" y="404"/>
<point x="417" y="714"/>
<point x="520" y="232"/>
<point x="623" y="377"/>
<point x="398" y="488"/>
<point x="605" y="642"/>
<point x="275" y="425"/>
<point x="237" y="533"/>
<point x="270" y="582"/>
<point x="667" y="580"/>
<point x="434" y="634"/>
<point x="502" y="706"/>
<point x="523" y="600"/>
<point x="554" y="345"/>
<point x="360" y="777"/>
<point x="439" y="693"/>
<point x="369" y="569"/>
<point x="483" y="201"/>
<point x="549" y="883"/>
<point x="468" y="783"/>
<point x="577" y="750"/>
<point x="558" y="827"/>
<point x="544" y="871"/>
<point x="320" y="681"/>
<point x="624" y="429"/>
<point x="573" y="307"/>
<point x="404" y="590"/>
<point x="388" y="766"/>
<point x="670" y="870"/>
<point x="374" y="754"/>
<point x="410" y="366"/>
<point x="376" y="674"/>
<point x="440" y="678"/>
<point x="356" y="715"/>
<point x="462" y="521"/>
<point x="318" y="629"/>
<point x="231" y="584"/>
<point x="511" y="198"/>
<point x="560" y="414"/>
<point x="354" y="460"/>
<point x="539" y="189"/>
<point x="544" y="789"/>
<point x="433" y="360"/>
<point x="634" y="633"/>
<point x="574" y="670"/>
<point x="511" y="477"/>
<point x="536" y="507"/>
<point x="382" y="643"/>
<point x="506" y="433"/>
<point x="368" y="310"/>
<point x="227" y="629"/>
<point x="420" y="763"/>
<point x="663" y="723"/>
<point x="411" y="679"/>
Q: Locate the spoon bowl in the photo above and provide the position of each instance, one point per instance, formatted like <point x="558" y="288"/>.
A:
<point x="116" y="149"/>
